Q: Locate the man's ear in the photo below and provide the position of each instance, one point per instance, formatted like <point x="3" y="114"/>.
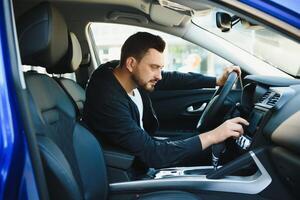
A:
<point x="131" y="63"/>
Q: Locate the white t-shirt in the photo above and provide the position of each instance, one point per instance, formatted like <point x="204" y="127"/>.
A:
<point x="137" y="99"/>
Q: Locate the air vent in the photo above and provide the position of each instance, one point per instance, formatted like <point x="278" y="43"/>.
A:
<point x="265" y="96"/>
<point x="273" y="99"/>
<point x="270" y="98"/>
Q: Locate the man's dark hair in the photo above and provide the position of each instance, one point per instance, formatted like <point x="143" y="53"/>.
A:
<point x="138" y="44"/>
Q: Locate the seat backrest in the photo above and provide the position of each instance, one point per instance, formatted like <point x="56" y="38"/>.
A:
<point x="72" y="157"/>
<point x="75" y="92"/>
<point x="69" y="65"/>
<point x="73" y="89"/>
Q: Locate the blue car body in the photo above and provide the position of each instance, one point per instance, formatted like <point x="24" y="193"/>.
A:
<point x="287" y="11"/>
<point x="16" y="177"/>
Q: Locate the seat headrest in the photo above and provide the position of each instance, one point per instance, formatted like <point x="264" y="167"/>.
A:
<point x="71" y="61"/>
<point x="43" y="36"/>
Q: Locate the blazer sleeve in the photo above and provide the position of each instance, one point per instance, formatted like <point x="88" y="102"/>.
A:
<point x="179" y="81"/>
<point x="119" y="127"/>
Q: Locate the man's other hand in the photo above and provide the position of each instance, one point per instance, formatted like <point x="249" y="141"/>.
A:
<point x="230" y="128"/>
<point x="227" y="70"/>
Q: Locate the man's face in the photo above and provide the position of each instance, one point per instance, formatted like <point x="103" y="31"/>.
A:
<point x="147" y="72"/>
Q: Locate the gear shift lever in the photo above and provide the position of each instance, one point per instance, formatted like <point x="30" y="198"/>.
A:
<point x="217" y="150"/>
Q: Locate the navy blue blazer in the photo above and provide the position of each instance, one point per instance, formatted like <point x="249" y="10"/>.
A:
<point x="111" y="114"/>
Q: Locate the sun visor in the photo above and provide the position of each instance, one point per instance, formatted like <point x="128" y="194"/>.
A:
<point x="170" y="17"/>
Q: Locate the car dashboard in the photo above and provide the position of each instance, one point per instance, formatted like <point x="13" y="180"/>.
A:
<point x="269" y="103"/>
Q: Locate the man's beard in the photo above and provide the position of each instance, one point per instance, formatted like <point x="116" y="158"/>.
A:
<point x="146" y="86"/>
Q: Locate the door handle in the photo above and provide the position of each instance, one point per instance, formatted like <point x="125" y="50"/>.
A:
<point x="191" y="109"/>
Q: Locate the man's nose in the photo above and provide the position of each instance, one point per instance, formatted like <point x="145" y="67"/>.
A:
<point x="158" y="76"/>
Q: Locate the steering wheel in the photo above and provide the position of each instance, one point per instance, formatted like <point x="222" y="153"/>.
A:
<point x="215" y="104"/>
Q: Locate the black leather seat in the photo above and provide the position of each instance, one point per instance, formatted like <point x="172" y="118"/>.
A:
<point x="69" y="64"/>
<point x="72" y="157"/>
<point x="75" y="92"/>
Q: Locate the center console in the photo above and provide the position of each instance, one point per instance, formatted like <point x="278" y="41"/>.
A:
<point x="225" y="179"/>
<point x="271" y="101"/>
<point x="183" y="172"/>
<point x="255" y="118"/>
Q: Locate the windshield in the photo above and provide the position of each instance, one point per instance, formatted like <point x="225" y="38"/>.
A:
<point x="265" y="44"/>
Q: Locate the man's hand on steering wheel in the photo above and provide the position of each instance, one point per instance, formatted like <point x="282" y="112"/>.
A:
<point x="208" y="118"/>
<point x="230" y="128"/>
<point x="227" y="70"/>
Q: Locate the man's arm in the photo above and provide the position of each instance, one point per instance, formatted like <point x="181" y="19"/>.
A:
<point x="178" y="81"/>
<point x="230" y="128"/>
<point x="113" y="120"/>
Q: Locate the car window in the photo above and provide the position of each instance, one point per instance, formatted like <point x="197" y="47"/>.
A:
<point x="262" y="42"/>
<point x="180" y="55"/>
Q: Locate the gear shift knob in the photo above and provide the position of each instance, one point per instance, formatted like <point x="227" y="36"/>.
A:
<point x="217" y="150"/>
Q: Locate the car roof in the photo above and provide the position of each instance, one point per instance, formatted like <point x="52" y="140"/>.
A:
<point x="177" y="14"/>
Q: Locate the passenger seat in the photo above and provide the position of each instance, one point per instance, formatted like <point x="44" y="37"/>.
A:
<point x="69" y="64"/>
<point x="72" y="157"/>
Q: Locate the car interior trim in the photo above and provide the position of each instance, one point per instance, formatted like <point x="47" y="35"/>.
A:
<point x="253" y="184"/>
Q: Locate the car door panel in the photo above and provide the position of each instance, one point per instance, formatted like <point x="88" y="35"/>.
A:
<point x="178" y="111"/>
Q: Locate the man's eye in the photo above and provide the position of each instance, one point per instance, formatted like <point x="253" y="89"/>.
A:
<point x="156" y="67"/>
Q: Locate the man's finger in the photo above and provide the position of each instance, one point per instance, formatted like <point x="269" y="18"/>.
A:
<point x="236" y="134"/>
<point x="234" y="68"/>
<point x="237" y="127"/>
<point x="240" y="121"/>
<point x="237" y="70"/>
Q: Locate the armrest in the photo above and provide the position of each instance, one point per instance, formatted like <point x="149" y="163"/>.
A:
<point x="117" y="158"/>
